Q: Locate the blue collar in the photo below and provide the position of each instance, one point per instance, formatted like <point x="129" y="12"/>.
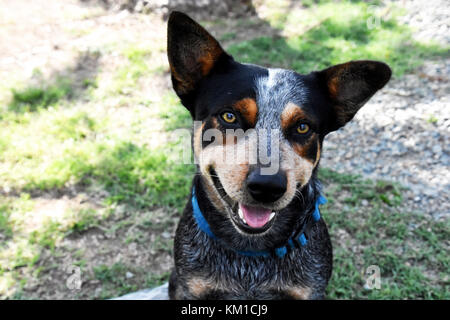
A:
<point x="279" y="252"/>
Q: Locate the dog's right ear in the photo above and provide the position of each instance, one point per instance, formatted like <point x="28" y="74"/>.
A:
<point x="193" y="53"/>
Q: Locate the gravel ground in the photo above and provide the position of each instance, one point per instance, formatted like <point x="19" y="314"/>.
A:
<point x="403" y="133"/>
<point x="430" y="19"/>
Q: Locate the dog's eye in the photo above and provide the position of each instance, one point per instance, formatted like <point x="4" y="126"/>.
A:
<point x="302" y="128"/>
<point x="229" y="117"/>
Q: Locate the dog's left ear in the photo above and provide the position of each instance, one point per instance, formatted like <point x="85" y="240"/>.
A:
<point x="193" y="53"/>
<point x="351" y="85"/>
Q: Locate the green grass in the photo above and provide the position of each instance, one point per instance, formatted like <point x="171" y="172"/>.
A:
<point x="92" y="148"/>
<point x="157" y="280"/>
<point x="409" y="248"/>
<point x="31" y="99"/>
<point x="41" y="93"/>
<point x="129" y="173"/>
<point x="175" y="116"/>
<point x="139" y="63"/>
<point x="5" y="228"/>
<point x="432" y="119"/>
<point x="141" y="177"/>
<point x="113" y="279"/>
<point x="385" y="191"/>
<point x="85" y="219"/>
<point x="324" y="38"/>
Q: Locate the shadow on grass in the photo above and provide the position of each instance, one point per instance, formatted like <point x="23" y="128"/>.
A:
<point x="5" y="227"/>
<point x="143" y="178"/>
<point x="130" y="174"/>
<point x="69" y="83"/>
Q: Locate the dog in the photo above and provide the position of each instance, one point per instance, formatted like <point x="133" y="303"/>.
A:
<point x="251" y="229"/>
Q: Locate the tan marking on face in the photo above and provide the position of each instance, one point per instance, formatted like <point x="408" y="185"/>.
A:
<point x="208" y="184"/>
<point x="291" y="114"/>
<point x="198" y="140"/>
<point x="231" y="164"/>
<point x="299" y="293"/>
<point x="215" y="125"/>
<point x="233" y="174"/>
<point x="302" y="149"/>
<point x="227" y="138"/>
<point x="233" y="177"/>
<point x="298" y="171"/>
<point x="318" y="154"/>
<point x="248" y="109"/>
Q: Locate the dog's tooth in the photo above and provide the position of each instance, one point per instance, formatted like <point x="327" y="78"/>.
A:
<point x="241" y="214"/>
<point x="271" y="216"/>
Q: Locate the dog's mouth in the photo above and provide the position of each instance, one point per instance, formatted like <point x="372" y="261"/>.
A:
<point x="249" y="219"/>
<point x="255" y="219"/>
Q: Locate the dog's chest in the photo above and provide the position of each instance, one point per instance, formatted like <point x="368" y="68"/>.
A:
<point x="229" y="275"/>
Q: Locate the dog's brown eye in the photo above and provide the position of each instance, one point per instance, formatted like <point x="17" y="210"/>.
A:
<point x="229" y="117"/>
<point x="302" y="128"/>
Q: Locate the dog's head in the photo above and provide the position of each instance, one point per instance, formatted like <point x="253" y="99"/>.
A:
<point x="259" y="131"/>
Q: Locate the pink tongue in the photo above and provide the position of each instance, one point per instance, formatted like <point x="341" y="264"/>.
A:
<point x="255" y="217"/>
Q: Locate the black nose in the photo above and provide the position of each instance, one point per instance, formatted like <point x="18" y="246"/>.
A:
<point x="266" y="188"/>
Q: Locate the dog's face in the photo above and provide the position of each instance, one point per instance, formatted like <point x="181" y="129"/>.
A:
<point x="258" y="132"/>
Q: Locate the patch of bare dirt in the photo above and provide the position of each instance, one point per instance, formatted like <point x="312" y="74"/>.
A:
<point x="139" y="244"/>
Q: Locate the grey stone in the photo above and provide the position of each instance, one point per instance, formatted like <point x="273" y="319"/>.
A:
<point x="437" y="149"/>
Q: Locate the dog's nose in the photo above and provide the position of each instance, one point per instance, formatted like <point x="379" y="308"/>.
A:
<point x="266" y="188"/>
